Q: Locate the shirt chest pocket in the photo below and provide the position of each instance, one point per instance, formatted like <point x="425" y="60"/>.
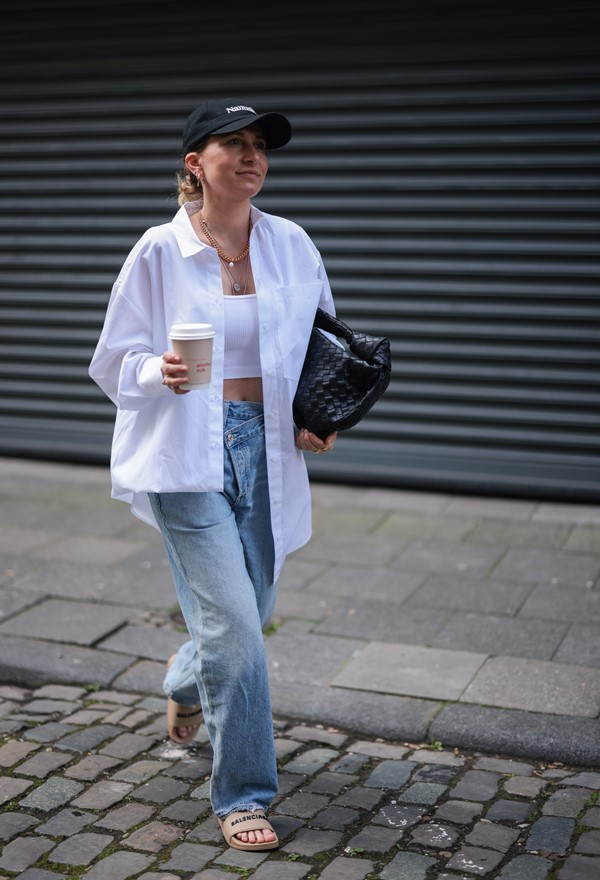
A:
<point x="296" y="307"/>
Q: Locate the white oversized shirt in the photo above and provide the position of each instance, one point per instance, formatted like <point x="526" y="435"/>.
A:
<point x="164" y="442"/>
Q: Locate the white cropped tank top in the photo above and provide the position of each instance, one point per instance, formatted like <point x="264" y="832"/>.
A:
<point x="242" y="353"/>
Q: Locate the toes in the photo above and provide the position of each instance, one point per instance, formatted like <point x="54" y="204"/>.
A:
<point x="256" y="836"/>
<point x="183" y="732"/>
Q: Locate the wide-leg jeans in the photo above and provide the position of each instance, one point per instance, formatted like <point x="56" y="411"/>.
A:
<point x="220" y="551"/>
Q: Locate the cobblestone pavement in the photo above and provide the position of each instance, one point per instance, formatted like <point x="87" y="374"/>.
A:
<point x="91" y="787"/>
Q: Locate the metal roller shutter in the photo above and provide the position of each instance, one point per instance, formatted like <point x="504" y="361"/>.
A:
<point x="449" y="172"/>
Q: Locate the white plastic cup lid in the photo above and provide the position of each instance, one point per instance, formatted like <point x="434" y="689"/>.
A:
<point x="191" y="331"/>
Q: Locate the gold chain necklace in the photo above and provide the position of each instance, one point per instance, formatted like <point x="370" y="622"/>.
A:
<point x="225" y="257"/>
<point x="236" y="287"/>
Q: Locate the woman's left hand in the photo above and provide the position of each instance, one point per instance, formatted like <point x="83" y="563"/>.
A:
<point x="309" y="442"/>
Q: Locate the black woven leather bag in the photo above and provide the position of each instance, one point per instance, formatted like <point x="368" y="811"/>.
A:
<point x="338" y="386"/>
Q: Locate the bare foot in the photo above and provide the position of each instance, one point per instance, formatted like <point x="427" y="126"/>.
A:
<point x="265" y="836"/>
<point x="184" y="732"/>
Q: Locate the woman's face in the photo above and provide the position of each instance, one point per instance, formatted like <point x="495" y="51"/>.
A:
<point x="232" y="165"/>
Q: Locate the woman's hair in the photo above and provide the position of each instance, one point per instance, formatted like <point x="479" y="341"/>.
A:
<point x="189" y="188"/>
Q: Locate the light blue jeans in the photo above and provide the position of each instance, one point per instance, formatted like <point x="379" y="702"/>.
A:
<point x="220" y="550"/>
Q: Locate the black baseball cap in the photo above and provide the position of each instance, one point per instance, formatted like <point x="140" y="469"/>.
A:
<point x="221" y="115"/>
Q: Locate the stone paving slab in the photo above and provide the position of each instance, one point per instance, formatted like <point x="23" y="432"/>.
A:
<point x="34" y="662"/>
<point x="548" y="511"/>
<point x="550" y="567"/>
<point x="376" y="621"/>
<point x="17" y="541"/>
<point x="297" y="656"/>
<point x="357" y="582"/>
<point x="61" y="620"/>
<point x="146" y="676"/>
<point x="350" y="807"/>
<point x="468" y="593"/>
<point x="578" y="604"/>
<point x="442" y="557"/>
<point x="536" y="686"/>
<point x="145" y="640"/>
<point x="495" y="634"/>
<point x="581" y="645"/>
<point x="409" y="526"/>
<point x="140" y="581"/>
<point x="14" y="601"/>
<point x="411" y="670"/>
<point x="88" y="548"/>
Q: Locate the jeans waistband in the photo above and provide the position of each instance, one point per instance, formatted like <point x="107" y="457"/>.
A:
<point x="242" y="409"/>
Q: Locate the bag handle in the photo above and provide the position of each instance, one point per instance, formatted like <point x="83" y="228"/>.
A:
<point x="325" y="321"/>
<point x="375" y="350"/>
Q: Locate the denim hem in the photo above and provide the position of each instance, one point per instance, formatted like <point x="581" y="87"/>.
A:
<point x="243" y="808"/>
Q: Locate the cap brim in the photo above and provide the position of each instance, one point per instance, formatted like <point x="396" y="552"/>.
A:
<point x="275" y="127"/>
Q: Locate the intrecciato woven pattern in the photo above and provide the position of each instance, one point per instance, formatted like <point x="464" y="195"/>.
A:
<point x="338" y="387"/>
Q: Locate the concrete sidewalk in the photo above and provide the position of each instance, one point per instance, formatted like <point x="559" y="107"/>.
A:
<point x="409" y="616"/>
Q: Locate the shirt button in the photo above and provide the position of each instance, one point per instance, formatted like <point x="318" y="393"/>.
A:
<point x="270" y="372"/>
<point x="230" y="438"/>
<point x="265" y="326"/>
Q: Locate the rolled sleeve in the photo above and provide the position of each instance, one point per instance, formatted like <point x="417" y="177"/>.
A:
<point x="140" y="379"/>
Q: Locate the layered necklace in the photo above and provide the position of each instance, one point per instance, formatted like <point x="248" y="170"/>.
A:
<point x="236" y="286"/>
<point x="228" y="261"/>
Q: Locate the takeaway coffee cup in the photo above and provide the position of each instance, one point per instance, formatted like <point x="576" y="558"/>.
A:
<point x="193" y="343"/>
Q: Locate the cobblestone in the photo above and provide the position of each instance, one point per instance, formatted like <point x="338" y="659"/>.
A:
<point x="102" y="795"/>
<point x="116" y="804"/>
<point x="119" y="866"/>
<point x="551" y="834"/>
<point x="12" y="824"/>
<point x="475" y="860"/>
<point x="579" y="868"/>
<point x="390" y="774"/>
<point x="566" y="802"/>
<point x="51" y="794"/>
<point x="494" y="836"/>
<point x="65" y="823"/>
<point x="42" y="764"/>
<point x="527" y="868"/>
<point x="81" y="849"/>
<point x="23" y="852"/>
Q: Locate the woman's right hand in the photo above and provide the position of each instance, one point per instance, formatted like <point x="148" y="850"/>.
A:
<point x="174" y="372"/>
<point x="309" y="442"/>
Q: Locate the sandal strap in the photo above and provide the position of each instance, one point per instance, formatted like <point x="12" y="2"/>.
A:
<point x="193" y="716"/>
<point x="183" y="716"/>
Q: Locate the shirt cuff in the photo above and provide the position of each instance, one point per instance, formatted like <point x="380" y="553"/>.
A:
<point x="150" y="377"/>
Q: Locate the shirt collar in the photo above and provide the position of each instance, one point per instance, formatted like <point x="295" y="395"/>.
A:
<point x="188" y="241"/>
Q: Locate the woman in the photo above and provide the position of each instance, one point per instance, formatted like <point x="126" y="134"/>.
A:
<point x="220" y="472"/>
